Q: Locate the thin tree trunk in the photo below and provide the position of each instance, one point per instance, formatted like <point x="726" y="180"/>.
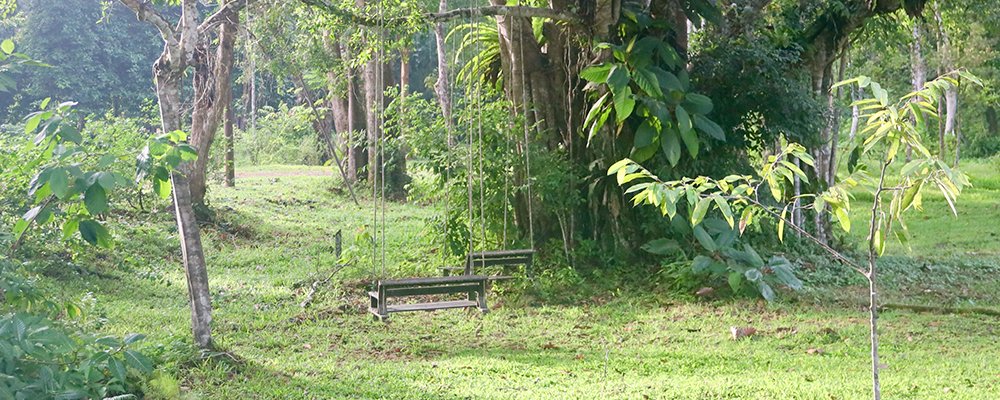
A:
<point x="958" y="132"/>
<point x="338" y="97"/>
<point x="835" y="138"/>
<point x="443" y="84"/>
<point x="992" y="121"/>
<point x="856" y="94"/>
<point x="947" y="62"/>
<point x="918" y="68"/>
<point x="230" y="164"/>
<point x="871" y="275"/>
<point x="168" y="94"/>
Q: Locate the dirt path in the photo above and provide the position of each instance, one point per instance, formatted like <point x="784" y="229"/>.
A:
<point x="280" y="174"/>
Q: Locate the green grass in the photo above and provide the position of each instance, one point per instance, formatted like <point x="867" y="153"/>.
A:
<point x="275" y="236"/>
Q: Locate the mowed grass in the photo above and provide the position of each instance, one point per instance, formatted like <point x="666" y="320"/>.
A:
<point x="275" y="239"/>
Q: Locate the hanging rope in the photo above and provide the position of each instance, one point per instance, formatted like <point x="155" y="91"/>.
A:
<point x="527" y="139"/>
<point x="482" y="176"/>
<point x="380" y="94"/>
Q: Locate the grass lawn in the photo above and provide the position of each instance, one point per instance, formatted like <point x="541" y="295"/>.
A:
<point x="275" y="235"/>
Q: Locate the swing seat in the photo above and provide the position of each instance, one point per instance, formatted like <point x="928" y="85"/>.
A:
<point x="502" y="258"/>
<point x="472" y="285"/>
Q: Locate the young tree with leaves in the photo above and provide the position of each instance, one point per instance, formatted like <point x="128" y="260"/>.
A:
<point x="890" y="127"/>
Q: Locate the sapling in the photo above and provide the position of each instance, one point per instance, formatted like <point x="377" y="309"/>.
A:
<point x="888" y="128"/>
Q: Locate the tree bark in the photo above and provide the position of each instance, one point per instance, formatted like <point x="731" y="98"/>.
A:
<point x="213" y="93"/>
<point x="179" y="52"/>
<point x="951" y="94"/>
<point x="443" y="84"/>
<point x="918" y="67"/>
<point x="338" y="95"/>
<point x="992" y="121"/>
<point x="230" y="162"/>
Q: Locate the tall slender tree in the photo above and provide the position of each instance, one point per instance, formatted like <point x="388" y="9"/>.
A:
<point x="187" y="47"/>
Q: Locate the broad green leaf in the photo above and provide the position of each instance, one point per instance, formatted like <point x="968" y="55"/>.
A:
<point x="662" y="247"/>
<point x="746" y="219"/>
<point x="735" y="280"/>
<point x="138" y="361"/>
<point x="700" y="264"/>
<point x="766" y="291"/>
<point x="709" y="127"/>
<point x="700" y="209"/>
<point x="647" y="81"/>
<point x="95" y="233"/>
<point x="753" y="275"/>
<point x="727" y="212"/>
<point x="697" y="103"/>
<point x="7" y="46"/>
<point x="618" y="165"/>
<point x="96" y="199"/>
<point x="596" y="73"/>
<point x="910" y="194"/>
<point x="70" y="226"/>
<point x="687" y="131"/>
<point x="781" y="224"/>
<point x="671" y="145"/>
<point x="106" y="180"/>
<point x="134" y="337"/>
<point x="843" y="217"/>
<point x="117" y="369"/>
<point x="618" y="79"/>
<point x="705" y="239"/>
<point x="59" y="182"/>
<point x="624" y="104"/>
<point x="645" y="135"/>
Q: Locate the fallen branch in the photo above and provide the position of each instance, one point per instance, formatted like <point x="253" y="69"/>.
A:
<point x="942" y="309"/>
<point x="316" y="284"/>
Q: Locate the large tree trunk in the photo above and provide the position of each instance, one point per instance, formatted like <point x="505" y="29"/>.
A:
<point x="373" y="128"/>
<point x="355" y="120"/>
<point x="213" y="93"/>
<point x="338" y="96"/>
<point x="443" y="84"/>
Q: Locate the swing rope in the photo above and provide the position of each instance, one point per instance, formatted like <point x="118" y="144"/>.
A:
<point x="482" y="176"/>
<point x="527" y="140"/>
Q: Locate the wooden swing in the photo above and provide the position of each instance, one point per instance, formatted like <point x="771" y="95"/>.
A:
<point x="473" y="286"/>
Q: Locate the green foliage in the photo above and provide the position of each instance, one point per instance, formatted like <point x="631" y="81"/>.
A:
<point x="100" y="57"/>
<point x="767" y="96"/>
<point x="891" y="127"/>
<point x="44" y="354"/>
<point x="283" y="136"/>
<point x="646" y="88"/>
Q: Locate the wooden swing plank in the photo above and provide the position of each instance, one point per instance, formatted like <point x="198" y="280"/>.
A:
<point x="439" y="280"/>
<point x="437" y="305"/>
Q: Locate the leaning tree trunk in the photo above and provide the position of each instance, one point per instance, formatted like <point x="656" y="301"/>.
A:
<point x="168" y="93"/>
<point x="213" y="92"/>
